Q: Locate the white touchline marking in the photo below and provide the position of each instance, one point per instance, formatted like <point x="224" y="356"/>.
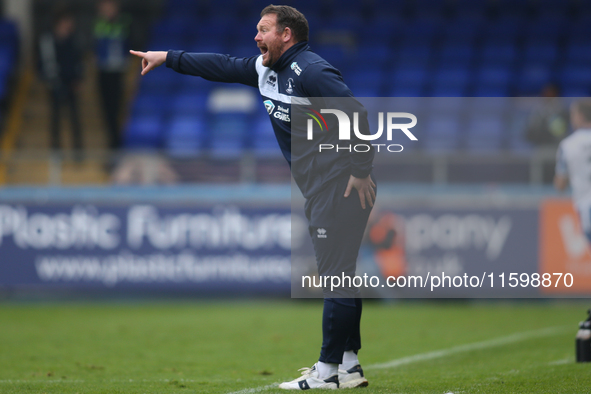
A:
<point x="58" y="380"/>
<point x="544" y="332"/>
<point x="468" y="347"/>
<point x="256" y="389"/>
<point x="567" y="360"/>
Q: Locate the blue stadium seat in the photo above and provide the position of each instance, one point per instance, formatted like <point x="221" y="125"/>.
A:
<point x="7" y="59"/>
<point x="219" y="25"/>
<point x="379" y="55"/>
<point x="513" y="8"/>
<point x="413" y="104"/>
<point x="188" y="6"/>
<point x="202" y="41"/>
<point x="406" y="91"/>
<point x="485" y="133"/>
<point x="442" y="134"/>
<point x="453" y="79"/>
<point x="344" y="21"/>
<point x="310" y="8"/>
<point x="575" y="90"/>
<point x="496" y="75"/>
<point x="172" y="30"/>
<point x="161" y="81"/>
<point x="336" y="55"/>
<point x="575" y="75"/>
<point x="579" y="30"/>
<point x="421" y="32"/>
<point x="490" y="106"/>
<point x="144" y="132"/>
<point x="195" y="85"/>
<point x="429" y="7"/>
<point x="264" y="144"/>
<point x="151" y="103"/>
<point x="164" y="43"/>
<point x="382" y="29"/>
<point x="9" y="35"/>
<point x="228" y="132"/>
<point x="498" y="53"/>
<point x="504" y="29"/>
<point x="541" y="52"/>
<point x="447" y="105"/>
<point x="244" y="49"/>
<point x="463" y="28"/>
<point x="414" y="54"/>
<point x="395" y="6"/>
<point x="365" y="83"/>
<point x="519" y="144"/>
<point x="483" y="90"/>
<point x="244" y="36"/>
<point x="545" y="28"/>
<point x="447" y="91"/>
<point x="532" y="77"/>
<point x="553" y="8"/>
<point x="578" y="53"/>
<point x="410" y="77"/>
<point x="189" y="103"/>
<point x="230" y="7"/>
<point x="471" y="9"/>
<point x="343" y="6"/>
<point x="455" y="53"/>
<point x="184" y="136"/>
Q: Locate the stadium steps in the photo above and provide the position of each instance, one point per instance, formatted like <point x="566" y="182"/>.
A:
<point x="32" y="163"/>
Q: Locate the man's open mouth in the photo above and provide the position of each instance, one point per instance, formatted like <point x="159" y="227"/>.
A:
<point x="263" y="49"/>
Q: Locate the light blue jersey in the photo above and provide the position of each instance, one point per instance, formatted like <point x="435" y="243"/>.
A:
<point x="574" y="161"/>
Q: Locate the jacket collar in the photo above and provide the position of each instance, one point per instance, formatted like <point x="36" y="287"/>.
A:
<point x="288" y="56"/>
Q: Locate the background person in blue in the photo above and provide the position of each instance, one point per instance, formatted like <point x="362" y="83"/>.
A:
<point x="286" y="69"/>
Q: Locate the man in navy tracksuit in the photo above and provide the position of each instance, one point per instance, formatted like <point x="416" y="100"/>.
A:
<point x="287" y="72"/>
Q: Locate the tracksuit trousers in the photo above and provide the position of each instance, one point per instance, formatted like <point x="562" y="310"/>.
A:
<point x="337" y="225"/>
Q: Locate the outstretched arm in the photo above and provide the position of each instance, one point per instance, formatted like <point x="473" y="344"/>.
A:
<point x="210" y="66"/>
<point x="150" y="59"/>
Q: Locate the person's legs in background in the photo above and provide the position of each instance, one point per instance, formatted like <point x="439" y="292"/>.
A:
<point x="111" y="90"/>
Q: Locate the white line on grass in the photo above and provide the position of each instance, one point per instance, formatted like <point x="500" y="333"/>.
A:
<point x="256" y="389"/>
<point x="9" y="381"/>
<point x="467" y="348"/>
<point x="544" y="332"/>
<point x="58" y="380"/>
<point x="567" y="360"/>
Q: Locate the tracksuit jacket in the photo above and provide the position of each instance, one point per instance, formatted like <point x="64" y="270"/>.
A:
<point x="298" y="73"/>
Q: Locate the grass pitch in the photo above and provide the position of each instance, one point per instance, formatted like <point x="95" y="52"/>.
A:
<point x="247" y="347"/>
